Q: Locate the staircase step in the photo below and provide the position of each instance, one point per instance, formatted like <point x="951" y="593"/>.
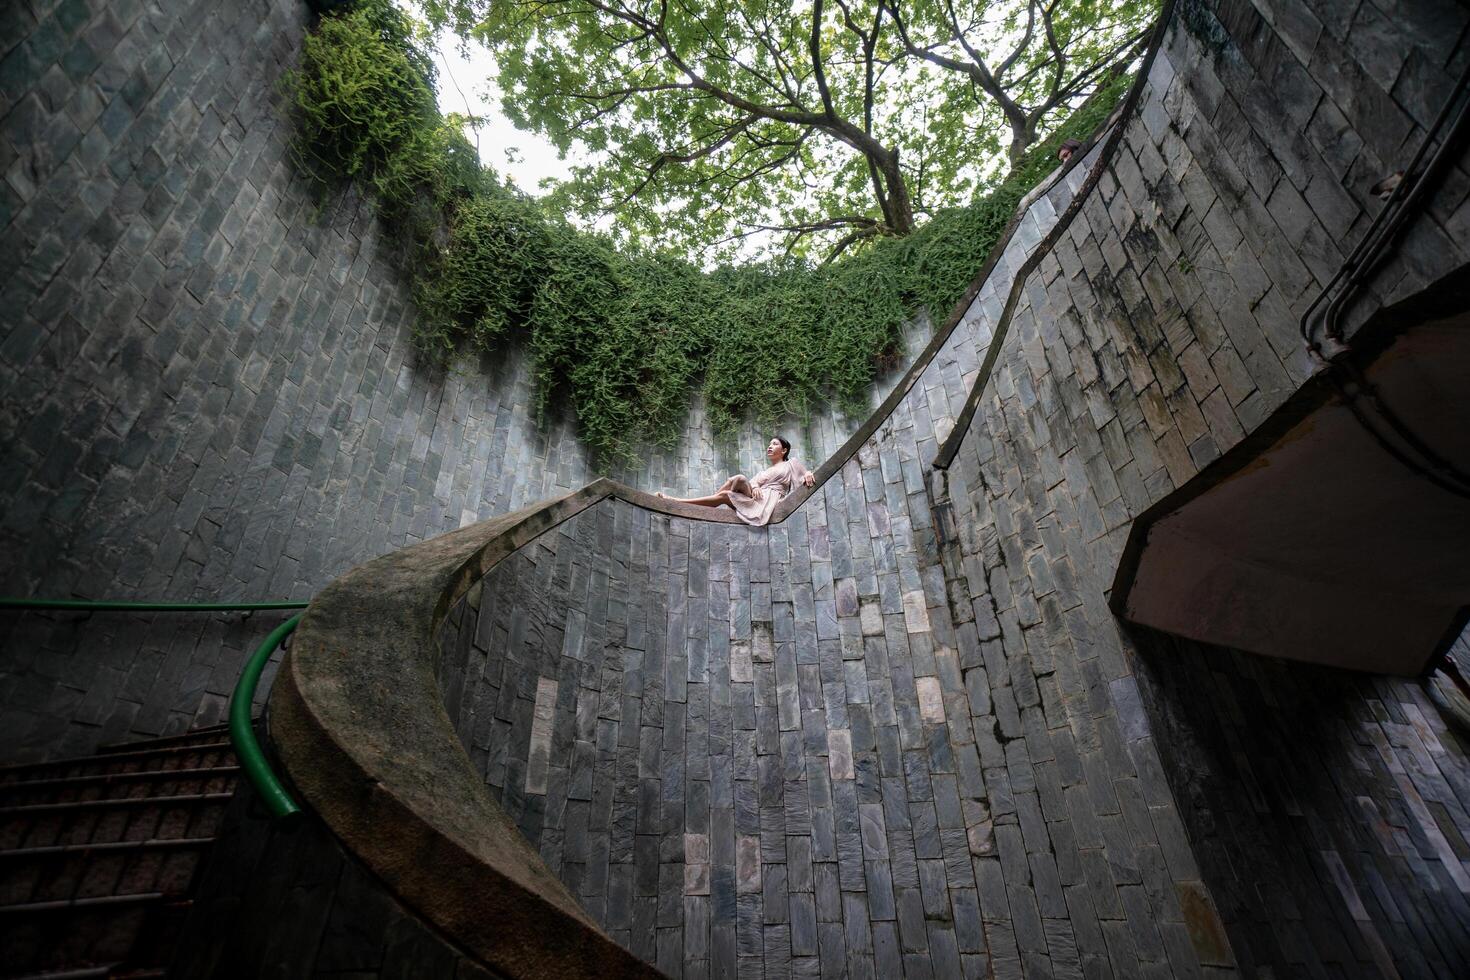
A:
<point x="140" y="775"/>
<point x="92" y="787"/>
<point x="85" y="933"/>
<point x="51" y="873"/>
<point x="113" y="971"/>
<point x="108" y="821"/>
<point x="30" y="809"/>
<point x="9" y="775"/>
<point x="84" y="973"/>
<point x="99" y="901"/>
<point x="191" y="737"/>
<point x="98" y="855"/>
<point x="109" y="847"/>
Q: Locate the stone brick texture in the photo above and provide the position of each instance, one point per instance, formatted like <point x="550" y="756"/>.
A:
<point x="340" y="920"/>
<point x="778" y="751"/>
<point x="210" y="390"/>
<point x="1327" y="813"/>
<point x="863" y="743"/>
<point x="898" y="734"/>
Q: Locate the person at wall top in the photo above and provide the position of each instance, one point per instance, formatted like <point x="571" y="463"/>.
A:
<point x="754" y="500"/>
<point x="1068" y="147"/>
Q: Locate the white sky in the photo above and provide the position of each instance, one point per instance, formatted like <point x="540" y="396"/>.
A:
<point x="467" y="86"/>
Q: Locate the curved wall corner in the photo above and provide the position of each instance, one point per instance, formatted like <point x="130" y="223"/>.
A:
<point x="209" y="390"/>
<point x="1308" y="541"/>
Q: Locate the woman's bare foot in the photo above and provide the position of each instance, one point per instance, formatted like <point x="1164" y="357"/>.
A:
<point x="661" y="495"/>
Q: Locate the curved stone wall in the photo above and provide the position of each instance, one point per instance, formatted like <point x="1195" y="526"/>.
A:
<point x="775" y="749"/>
<point x="209" y="386"/>
<point x="910" y="774"/>
<point x="1161" y="330"/>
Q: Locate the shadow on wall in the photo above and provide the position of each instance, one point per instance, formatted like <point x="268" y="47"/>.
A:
<point x="1327" y="809"/>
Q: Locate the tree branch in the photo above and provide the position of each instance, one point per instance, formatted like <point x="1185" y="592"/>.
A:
<point x="846" y="241"/>
<point x="1024" y="43"/>
<point x="820" y="75"/>
<point x="666" y="158"/>
<point x="976" y="70"/>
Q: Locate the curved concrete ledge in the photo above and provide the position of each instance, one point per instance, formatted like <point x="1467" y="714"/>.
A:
<point x="359" y="723"/>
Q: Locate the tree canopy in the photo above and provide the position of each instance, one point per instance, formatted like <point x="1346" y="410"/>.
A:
<point x="621" y="337"/>
<point x="813" y="125"/>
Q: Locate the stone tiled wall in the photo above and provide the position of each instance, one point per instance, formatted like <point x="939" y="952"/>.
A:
<point x="777" y="750"/>
<point x="1113" y="790"/>
<point x="1163" y="328"/>
<point x="767" y="751"/>
<point x="1328" y="810"/>
<point x="209" y="390"/>
<point x="339" y="920"/>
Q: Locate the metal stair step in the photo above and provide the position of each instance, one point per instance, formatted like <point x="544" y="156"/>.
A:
<point x="99" y="901"/>
<point x="29" y="809"/>
<point x="81" y="973"/>
<point x="113" y="971"/>
<point x="79" y="934"/>
<point x="139" y="775"/>
<point x="183" y="738"/>
<point x="98" y="886"/>
<point x="110" y="759"/>
<point x="98" y="787"/>
<point x="108" y="847"/>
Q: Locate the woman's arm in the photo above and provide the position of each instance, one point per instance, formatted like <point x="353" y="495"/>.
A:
<point x="803" y="474"/>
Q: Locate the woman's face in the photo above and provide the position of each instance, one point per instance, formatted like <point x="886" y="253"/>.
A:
<point x="775" y="452"/>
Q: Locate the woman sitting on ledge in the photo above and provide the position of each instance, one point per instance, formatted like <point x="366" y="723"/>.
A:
<point x="754" y="500"/>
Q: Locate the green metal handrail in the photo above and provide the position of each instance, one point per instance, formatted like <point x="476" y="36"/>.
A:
<point x="242" y="729"/>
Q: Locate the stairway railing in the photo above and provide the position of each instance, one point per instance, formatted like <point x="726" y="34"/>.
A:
<point x="252" y="758"/>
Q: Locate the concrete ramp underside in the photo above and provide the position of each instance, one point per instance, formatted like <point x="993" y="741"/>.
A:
<point x="1311" y="541"/>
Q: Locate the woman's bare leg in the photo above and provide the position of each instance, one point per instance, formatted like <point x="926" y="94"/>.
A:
<point x="713" y="500"/>
<point x="737" y="483"/>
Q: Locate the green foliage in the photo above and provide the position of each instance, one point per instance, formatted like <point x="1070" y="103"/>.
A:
<point x="485" y="276"/>
<point x="622" y="337"/>
<point x="365" y="98"/>
<point x="805" y="125"/>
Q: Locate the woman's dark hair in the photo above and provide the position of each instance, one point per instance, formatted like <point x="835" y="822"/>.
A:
<point x="1072" y="146"/>
<point x="786" y="446"/>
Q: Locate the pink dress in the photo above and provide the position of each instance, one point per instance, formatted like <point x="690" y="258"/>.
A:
<point x="770" y="486"/>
